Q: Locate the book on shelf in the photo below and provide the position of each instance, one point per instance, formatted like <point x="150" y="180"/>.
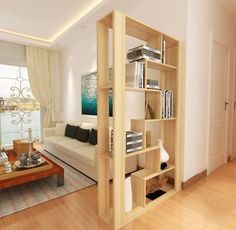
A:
<point x="152" y="84"/>
<point x="134" y="141"/>
<point x="163" y="58"/>
<point x="143" y="52"/>
<point x="135" y="74"/>
<point x="133" y="149"/>
<point x="167" y="104"/>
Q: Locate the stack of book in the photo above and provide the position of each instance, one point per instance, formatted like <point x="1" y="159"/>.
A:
<point x="144" y="52"/>
<point x="152" y="84"/>
<point x="135" y="74"/>
<point x="3" y="158"/>
<point x="167" y="104"/>
<point x="134" y="141"/>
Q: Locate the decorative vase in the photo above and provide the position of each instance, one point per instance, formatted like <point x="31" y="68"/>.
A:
<point x="128" y="195"/>
<point x="164" y="155"/>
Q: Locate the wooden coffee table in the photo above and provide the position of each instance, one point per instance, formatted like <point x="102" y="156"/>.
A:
<point x="33" y="174"/>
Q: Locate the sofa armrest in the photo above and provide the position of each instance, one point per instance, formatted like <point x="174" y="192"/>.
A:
<point x="48" y="132"/>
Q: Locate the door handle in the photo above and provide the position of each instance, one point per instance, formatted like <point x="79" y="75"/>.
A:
<point x="226" y="103"/>
<point x="234" y="105"/>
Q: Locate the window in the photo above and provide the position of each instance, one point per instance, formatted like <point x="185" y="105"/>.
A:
<point x="19" y="110"/>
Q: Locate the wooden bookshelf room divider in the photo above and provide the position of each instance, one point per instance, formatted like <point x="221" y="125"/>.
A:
<point x="111" y="194"/>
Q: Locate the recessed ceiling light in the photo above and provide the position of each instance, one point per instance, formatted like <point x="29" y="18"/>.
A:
<point x="82" y="27"/>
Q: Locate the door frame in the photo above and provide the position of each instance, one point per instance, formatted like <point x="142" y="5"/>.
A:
<point x="212" y="39"/>
<point x="233" y="101"/>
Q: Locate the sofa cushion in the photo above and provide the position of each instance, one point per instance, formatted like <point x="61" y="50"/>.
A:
<point x="77" y="150"/>
<point x="70" y="131"/>
<point x="86" y="154"/>
<point x="82" y="134"/>
<point x="56" y="139"/>
<point x="93" y="137"/>
<point x="72" y="143"/>
<point x="60" y="129"/>
<point x="86" y="125"/>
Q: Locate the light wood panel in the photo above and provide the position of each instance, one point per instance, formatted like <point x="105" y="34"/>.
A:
<point x="152" y="160"/>
<point x="119" y="148"/>
<point x="103" y="117"/>
<point x="160" y="66"/>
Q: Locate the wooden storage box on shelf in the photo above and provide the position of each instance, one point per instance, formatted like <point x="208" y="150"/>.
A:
<point x="167" y="187"/>
<point x="22" y="146"/>
<point x="143" y="179"/>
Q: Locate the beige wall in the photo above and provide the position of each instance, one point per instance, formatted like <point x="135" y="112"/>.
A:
<point x="204" y="19"/>
<point x="80" y="56"/>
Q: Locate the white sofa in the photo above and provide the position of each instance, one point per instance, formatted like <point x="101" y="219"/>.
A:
<point x="82" y="156"/>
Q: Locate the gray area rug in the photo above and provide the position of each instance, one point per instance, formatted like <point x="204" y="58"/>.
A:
<point x="24" y="196"/>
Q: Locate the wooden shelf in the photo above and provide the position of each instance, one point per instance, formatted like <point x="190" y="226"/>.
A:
<point x="151" y="203"/>
<point x="142" y="151"/>
<point x="169" y="76"/>
<point x="137" y="29"/>
<point x="133" y="89"/>
<point x="158" y="120"/>
<point x="147" y="174"/>
<point x="160" y="66"/>
<point x="155" y="120"/>
<point x="143" y="90"/>
<point x="108" y="155"/>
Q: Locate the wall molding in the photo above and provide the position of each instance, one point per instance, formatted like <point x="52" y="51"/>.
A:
<point x="194" y="179"/>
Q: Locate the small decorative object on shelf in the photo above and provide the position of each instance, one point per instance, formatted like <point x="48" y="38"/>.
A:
<point x="148" y="139"/>
<point x="163" y="165"/>
<point x="154" y="190"/>
<point x="149" y="113"/>
<point x="164" y="155"/>
<point x="128" y="194"/>
<point x="152" y="84"/>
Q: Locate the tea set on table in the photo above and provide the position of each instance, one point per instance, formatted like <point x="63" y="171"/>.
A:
<point x="25" y="160"/>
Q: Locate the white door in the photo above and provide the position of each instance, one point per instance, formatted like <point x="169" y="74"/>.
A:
<point x="218" y="107"/>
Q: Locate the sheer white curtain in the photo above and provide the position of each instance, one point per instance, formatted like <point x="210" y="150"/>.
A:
<point x="42" y="66"/>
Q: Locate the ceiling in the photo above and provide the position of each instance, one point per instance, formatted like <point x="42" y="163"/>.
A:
<point x="42" y="21"/>
<point x="229" y="6"/>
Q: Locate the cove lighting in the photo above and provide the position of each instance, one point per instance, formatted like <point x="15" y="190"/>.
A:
<point x="62" y="30"/>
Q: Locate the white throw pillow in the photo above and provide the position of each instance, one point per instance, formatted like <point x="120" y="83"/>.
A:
<point x="86" y="125"/>
<point x="60" y="129"/>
